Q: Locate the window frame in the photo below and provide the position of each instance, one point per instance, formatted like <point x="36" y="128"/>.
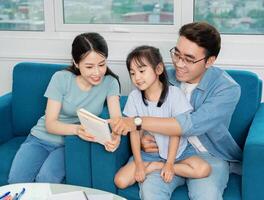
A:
<point x="118" y="28"/>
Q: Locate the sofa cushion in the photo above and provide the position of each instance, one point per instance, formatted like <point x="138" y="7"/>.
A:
<point x="7" y="153"/>
<point x="30" y="81"/>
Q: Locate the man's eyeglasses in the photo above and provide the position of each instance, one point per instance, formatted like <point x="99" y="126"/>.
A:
<point x="176" y="57"/>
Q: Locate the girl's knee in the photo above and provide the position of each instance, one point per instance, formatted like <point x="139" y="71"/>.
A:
<point x="120" y="182"/>
<point x="204" y="170"/>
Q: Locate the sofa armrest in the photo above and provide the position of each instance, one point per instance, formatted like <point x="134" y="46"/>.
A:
<point x="78" y="161"/>
<point x="5" y="118"/>
<point x="105" y="164"/>
<point x="253" y="159"/>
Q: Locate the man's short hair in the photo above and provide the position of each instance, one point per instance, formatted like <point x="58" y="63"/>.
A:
<point x="204" y="35"/>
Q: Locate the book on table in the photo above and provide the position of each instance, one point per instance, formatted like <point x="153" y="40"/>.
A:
<point x="95" y="125"/>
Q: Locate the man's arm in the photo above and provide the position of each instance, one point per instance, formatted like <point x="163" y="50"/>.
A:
<point x="166" y="126"/>
<point x="216" y="110"/>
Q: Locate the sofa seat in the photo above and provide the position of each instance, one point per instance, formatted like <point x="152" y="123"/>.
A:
<point x="232" y="192"/>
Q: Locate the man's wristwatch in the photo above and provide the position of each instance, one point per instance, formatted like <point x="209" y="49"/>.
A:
<point x="138" y="122"/>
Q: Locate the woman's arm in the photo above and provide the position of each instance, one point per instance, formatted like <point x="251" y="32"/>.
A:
<point x="113" y="104"/>
<point x="53" y="125"/>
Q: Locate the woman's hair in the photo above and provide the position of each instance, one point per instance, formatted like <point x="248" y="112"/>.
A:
<point x="82" y="45"/>
<point x="204" y="35"/>
<point x="153" y="56"/>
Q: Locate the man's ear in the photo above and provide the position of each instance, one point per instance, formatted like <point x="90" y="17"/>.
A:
<point x="160" y="68"/>
<point x="210" y="61"/>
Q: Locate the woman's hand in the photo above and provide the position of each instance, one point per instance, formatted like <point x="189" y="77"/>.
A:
<point x="167" y="172"/>
<point x="140" y="174"/>
<point x="80" y="131"/>
<point x="112" y="145"/>
<point x="148" y="144"/>
<point x="122" y="125"/>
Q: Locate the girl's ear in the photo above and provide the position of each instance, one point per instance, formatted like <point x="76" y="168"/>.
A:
<point x="159" y="68"/>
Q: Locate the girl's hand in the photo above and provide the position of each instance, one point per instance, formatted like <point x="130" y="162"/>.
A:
<point x="140" y="174"/>
<point x="167" y="172"/>
<point x="112" y="145"/>
<point x="80" y="131"/>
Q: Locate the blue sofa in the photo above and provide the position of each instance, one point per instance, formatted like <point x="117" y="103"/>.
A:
<point x="88" y="164"/>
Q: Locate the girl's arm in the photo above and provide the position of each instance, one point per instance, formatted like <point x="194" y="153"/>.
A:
<point x="135" y="146"/>
<point x="167" y="171"/>
<point x="54" y="126"/>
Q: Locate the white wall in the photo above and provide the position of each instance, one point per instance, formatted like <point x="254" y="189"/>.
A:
<point x="238" y="52"/>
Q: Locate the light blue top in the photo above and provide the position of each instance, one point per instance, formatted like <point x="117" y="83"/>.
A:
<point x="174" y="104"/>
<point x="214" y="101"/>
<point x="63" y="88"/>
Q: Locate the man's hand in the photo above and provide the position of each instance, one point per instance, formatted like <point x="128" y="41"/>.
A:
<point x="122" y="125"/>
<point x="148" y="144"/>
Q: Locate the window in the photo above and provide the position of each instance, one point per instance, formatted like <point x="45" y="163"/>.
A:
<point x="118" y="12"/>
<point x="22" y="15"/>
<point x="232" y="16"/>
<point x="116" y="15"/>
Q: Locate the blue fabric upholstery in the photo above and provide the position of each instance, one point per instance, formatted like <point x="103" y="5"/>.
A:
<point x="248" y="105"/>
<point x="30" y="81"/>
<point x="88" y="164"/>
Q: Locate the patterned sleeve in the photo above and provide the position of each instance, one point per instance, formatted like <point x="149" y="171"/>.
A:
<point x="113" y="87"/>
<point x="57" y="86"/>
<point x="130" y="109"/>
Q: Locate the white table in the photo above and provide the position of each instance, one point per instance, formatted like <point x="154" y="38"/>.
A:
<point x="41" y="191"/>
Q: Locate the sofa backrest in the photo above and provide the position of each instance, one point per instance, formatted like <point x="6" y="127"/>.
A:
<point x="251" y="92"/>
<point x="30" y="81"/>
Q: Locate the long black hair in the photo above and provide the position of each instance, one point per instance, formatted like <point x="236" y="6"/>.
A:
<point x="153" y="56"/>
<point x="82" y="45"/>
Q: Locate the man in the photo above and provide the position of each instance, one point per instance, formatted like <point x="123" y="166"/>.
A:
<point x="213" y="95"/>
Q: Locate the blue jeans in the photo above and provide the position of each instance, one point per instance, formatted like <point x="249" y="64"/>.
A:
<point x="211" y="187"/>
<point x="38" y="161"/>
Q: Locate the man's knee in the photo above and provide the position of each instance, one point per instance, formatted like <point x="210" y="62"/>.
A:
<point x="209" y="193"/>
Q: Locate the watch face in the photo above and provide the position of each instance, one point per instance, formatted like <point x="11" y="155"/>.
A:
<point x="138" y="121"/>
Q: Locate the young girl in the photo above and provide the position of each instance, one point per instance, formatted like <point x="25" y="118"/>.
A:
<point x="87" y="83"/>
<point x="154" y="97"/>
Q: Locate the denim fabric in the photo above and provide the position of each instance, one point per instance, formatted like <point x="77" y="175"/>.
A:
<point x="38" y="161"/>
<point x="213" y="109"/>
<point x="211" y="187"/>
